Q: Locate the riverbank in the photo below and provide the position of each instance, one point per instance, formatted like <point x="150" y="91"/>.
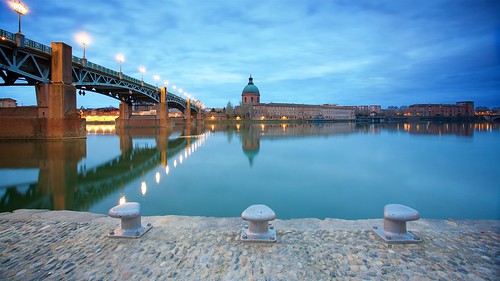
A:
<point x="65" y="245"/>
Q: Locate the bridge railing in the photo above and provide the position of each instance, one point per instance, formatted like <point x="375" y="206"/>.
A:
<point x="30" y="44"/>
<point x="37" y="46"/>
<point x="9" y="36"/>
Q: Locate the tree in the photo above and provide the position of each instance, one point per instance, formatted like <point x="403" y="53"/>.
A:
<point x="229" y="110"/>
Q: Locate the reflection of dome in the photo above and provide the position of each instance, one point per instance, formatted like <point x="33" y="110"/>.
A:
<point x="250" y="143"/>
<point x="250" y="88"/>
<point x="251" y="153"/>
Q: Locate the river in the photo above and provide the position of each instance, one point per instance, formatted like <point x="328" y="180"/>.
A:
<point x="334" y="170"/>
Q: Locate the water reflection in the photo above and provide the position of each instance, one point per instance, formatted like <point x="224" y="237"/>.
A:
<point x="63" y="184"/>
<point x="251" y="134"/>
<point x="325" y="166"/>
<point x="57" y="177"/>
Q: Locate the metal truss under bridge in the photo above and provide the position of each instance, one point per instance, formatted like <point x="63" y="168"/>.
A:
<point x="29" y="65"/>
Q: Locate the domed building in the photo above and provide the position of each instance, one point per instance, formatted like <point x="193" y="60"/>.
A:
<point x="251" y="108"/>
<point x="250" y="94"/>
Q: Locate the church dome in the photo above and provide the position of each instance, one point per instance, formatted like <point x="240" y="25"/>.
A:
<point x="250" y="88"/>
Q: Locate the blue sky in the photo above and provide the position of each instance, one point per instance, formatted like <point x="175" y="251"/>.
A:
<point x="314" y="52"/>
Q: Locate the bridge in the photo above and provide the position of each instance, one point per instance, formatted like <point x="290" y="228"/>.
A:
<point x="56" y="75"/>
<point x="492" y="118"/>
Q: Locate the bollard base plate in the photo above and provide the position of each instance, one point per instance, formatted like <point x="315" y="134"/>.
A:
<point x="408" y="238"/>
<point x="269" y="236"/>
<point x="136" y="233"/>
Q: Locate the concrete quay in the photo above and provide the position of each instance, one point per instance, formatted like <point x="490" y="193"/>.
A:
<point x="65" y="245"/>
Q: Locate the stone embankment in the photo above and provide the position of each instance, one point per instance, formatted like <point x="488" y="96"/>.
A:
<point x="63" y="245"/>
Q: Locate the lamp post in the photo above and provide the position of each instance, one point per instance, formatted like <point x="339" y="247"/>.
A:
<point x="156" y="77"/>
<point x="142" y="69"/>
<point x="84" y="39"/>
<point x="20" y="9"/>
<point x="120" y="58"/>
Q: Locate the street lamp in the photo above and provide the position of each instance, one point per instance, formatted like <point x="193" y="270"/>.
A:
<point x="84" y="39"/>
<point x="20" y="9"/>
<point x="120" y="58"/>
<point x="156" y="77"/>
<point x="142" y="69"/>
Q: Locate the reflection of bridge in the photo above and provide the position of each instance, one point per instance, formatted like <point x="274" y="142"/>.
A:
<point x="61" y="186"/>
<point x="492" y="118"/>
<point x="56" y="75"/>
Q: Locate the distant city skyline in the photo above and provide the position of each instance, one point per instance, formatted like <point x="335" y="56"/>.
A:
<point x="308" y="52"/>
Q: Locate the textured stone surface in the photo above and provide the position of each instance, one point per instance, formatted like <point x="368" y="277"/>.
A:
<point x="62" y="245"/>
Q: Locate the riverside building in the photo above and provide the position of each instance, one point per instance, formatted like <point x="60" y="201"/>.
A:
<point x="460" y="109"/>
<point x="252" y="108"/>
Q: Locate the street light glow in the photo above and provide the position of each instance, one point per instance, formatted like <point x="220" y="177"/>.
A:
<point x="19" y="7"/>
<point x="142" y="69"/>
<point x="84" y="39"/>
<point x="120" y="58"/>
<point x="156" y="77"/>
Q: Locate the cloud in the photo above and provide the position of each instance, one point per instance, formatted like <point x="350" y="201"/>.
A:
<point x="318" y="51"/>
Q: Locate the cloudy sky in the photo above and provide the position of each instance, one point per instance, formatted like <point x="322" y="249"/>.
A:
<point x="311" y="51"/>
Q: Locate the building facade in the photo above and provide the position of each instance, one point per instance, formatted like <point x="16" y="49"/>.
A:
<point x="8" y="102"/>
<point x="302" y="111"/>
<point x="252" y="108"/>
<point x="460" y="109"/>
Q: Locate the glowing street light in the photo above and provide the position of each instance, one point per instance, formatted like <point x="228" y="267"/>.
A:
<point x="120" y="58"/>
<point x="84" y="39"/>
<point x="166" y="83"/>
<point x="20" y="9"/>
<point x="156" y="77"/>
<point x="142" y="69"/>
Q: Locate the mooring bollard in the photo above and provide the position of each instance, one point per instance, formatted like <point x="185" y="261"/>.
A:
<point x="395" y="218"/>
<point x="130" y="215"/>
<point x="258" y="229"/>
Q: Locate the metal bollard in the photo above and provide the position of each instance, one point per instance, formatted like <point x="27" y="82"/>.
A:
<point x="258" y="229"/>
<point x="130" y="215"/>
<point x="395" y="218"/>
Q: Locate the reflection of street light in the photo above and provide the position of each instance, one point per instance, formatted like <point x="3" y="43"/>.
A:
<point x="20" y="9"/>
<point x="157" y="177"/>
<point x="142" y="69"/>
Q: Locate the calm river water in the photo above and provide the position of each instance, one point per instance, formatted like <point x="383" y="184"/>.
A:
<point x="339" y="170"/>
